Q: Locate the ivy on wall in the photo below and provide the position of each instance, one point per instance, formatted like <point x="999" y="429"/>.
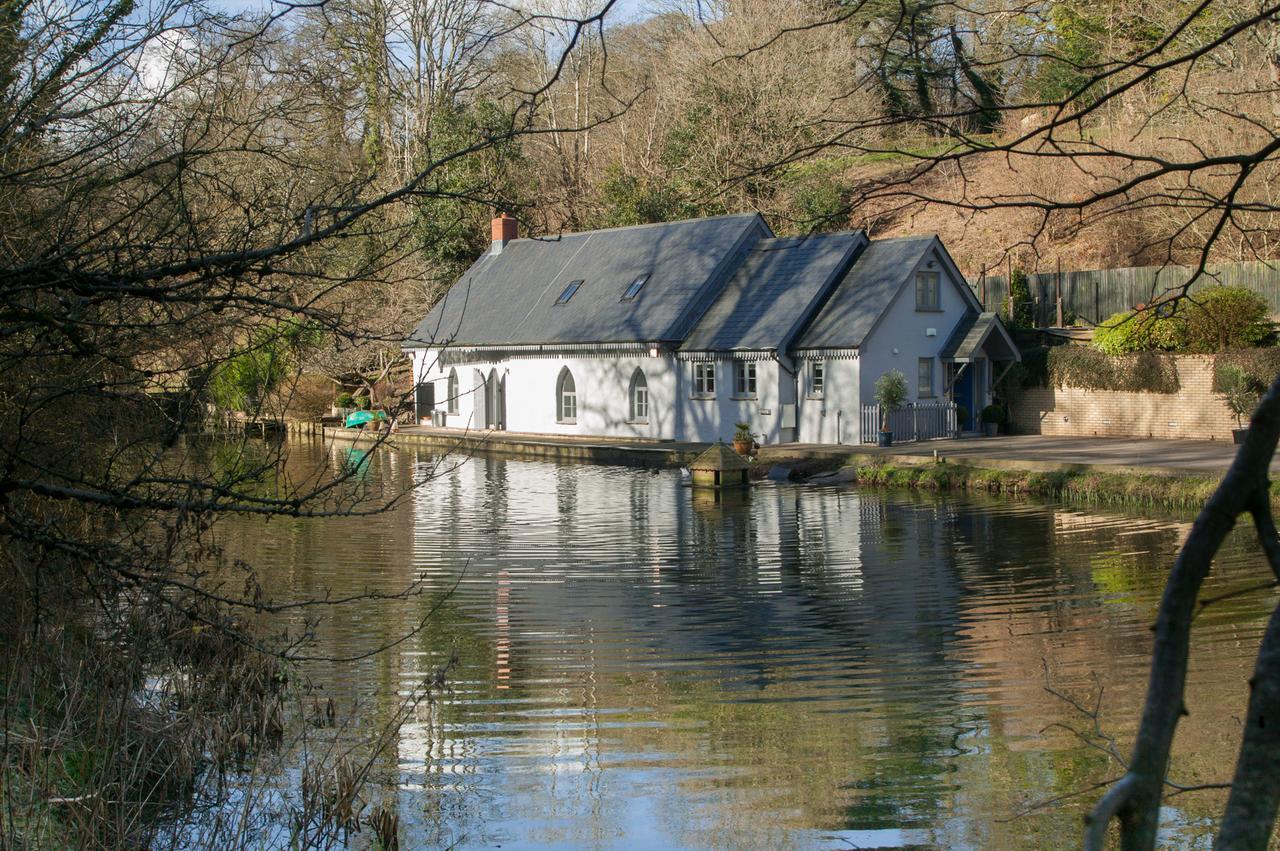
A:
<point x="1090" y="369"/>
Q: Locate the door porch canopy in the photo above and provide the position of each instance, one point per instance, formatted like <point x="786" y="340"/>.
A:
<point x="980" y="335"/>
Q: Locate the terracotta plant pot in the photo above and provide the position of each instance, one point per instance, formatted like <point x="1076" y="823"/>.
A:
<point x="743" y="447"/>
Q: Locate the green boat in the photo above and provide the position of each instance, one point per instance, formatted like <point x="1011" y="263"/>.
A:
<point x="363" y="418"/>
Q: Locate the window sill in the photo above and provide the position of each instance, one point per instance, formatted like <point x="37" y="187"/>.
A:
<point x="566" y="422"/>
<point x="752" y="398"/>
<point x="637" y="422"/>
<point x="930" y="310"/>
<point x="703" y="397"/>
<point x="814" y="397"/>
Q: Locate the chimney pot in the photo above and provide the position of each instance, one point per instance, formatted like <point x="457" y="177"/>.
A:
<point x="505" y="229"/>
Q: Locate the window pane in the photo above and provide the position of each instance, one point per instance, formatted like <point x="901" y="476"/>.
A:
<point x="634" y="289"/>
<point x="927" y="291"/>
<point x="568" y="292"/>
<point x="925" y="384"/>
<point x="815" y="377"/>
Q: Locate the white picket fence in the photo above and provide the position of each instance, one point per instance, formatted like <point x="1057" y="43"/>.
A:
<point x="915" y="421"/>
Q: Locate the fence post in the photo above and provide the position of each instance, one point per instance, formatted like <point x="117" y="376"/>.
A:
<point x="915" y="422"/>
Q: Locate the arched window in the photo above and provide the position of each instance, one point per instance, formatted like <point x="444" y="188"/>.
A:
<point x="566" y="398"/>
<point x="639" y="395"/>
<point x="451" y="397"/>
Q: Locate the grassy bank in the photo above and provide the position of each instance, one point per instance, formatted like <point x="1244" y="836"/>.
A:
<point x="1118" y="489"/>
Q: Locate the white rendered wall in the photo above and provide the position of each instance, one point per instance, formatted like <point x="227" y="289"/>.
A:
<point x="901" y="336"/>
<point x="833" y="416"/>
<point x="603" y="386"/>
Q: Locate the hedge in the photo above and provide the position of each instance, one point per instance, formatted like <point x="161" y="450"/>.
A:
<point x="1090" y="369"/>
<point x="1262" y="365"/>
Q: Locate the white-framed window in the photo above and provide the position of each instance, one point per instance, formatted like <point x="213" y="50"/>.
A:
<point x="704" y="378"/>
<point x="744" y="379"/>
<point x="924" y="372"/>
<point x="817" y="370"/>
<point x="566" y="398"/>
<point x="927" y="296"/>
<point x="639" y="395"/>
<point x="451" y="398"/>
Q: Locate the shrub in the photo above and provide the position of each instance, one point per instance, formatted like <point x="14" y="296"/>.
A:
<point x="1239" y="390"/>
<point x="891" y="390"/>
<point x="344" y="400"/>
<point x="1220" y="318"/>
<point x="1140" y="331"/>
<point x="891" y="393"/>
<point x="1261" y="365"/>
<point x="993" y="414"/>
<point x="1033" y="370"/>
<point x="1090" y="369"/>
<point x="1023" y="307"/>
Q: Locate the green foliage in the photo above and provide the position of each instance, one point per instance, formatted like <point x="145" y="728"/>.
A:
<point x="994" y="414"/>
<point x="1261" y="365"/>
<point x="891" y="391"/>
<point x="344" y="400"/>
<point x="820" y="202"/>
<point x="632" y="200"/>
<point x="1239" y="389"/>
<point x="1023" y="307"/>
<point x="1088" y="368"/>
<point x="1140" y="331"/>
<point x="1219" y="318"/>
<point x="1033" y="370"/>
<point x="1078" y="34"/>
<point x="742" y="431"/>
<point x="242" y="381"/>
<point x="452" y="225"/>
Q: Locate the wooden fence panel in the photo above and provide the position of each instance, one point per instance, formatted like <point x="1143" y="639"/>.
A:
<point x="1091" y="296"/>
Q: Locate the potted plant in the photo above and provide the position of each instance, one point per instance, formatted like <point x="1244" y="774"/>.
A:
<point x="1240" y="391"/>
<point x="891" y="394"/>
<point x="993" y="416"/>
<point x="962" y="417"/>
<point x="742" y="440"/>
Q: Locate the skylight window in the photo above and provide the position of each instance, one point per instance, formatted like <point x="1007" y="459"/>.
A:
<point x="635" y="287"/>
<point x="568" y="292"/>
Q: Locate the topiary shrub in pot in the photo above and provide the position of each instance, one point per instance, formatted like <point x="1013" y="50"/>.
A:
<point x="891" y="394"/>
<point x="993" y="416"/>
<point x="1241" y="392"/>
<point x="743" y="442"/>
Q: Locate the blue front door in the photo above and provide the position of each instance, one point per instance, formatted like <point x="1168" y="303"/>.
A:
<point x="962" y="394"/>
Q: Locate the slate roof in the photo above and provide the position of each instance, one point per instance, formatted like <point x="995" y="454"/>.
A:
<point x="509" y="298"/>
<point x="969" y="335"/>
<point x="773" y="292"/>
<point x="864" y="293"/>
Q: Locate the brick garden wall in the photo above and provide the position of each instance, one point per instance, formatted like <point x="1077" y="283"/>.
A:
<point x="1195" y="411"/>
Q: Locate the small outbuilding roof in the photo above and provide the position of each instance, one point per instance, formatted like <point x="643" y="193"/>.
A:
<point x="774" y="292"/>
<point x="864" y="293"/>
<point x="719" y="457"/>
<point x="518" y="296"/>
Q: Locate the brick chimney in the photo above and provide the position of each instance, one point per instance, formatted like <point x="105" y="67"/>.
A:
<point x="505" y="229"/>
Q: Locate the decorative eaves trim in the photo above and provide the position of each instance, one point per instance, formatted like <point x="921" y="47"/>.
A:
<point x="752" y="355"/>
<point x="825" y="354"/>
<point x="493" y="354"/>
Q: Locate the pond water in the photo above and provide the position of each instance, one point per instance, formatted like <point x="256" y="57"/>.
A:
<point x="641" y="666"/>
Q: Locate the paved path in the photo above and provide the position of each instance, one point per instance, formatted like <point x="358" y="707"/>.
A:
<point x="1204" y="457"/>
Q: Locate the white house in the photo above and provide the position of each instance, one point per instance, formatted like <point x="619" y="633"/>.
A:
<point x="679" y="330"/>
